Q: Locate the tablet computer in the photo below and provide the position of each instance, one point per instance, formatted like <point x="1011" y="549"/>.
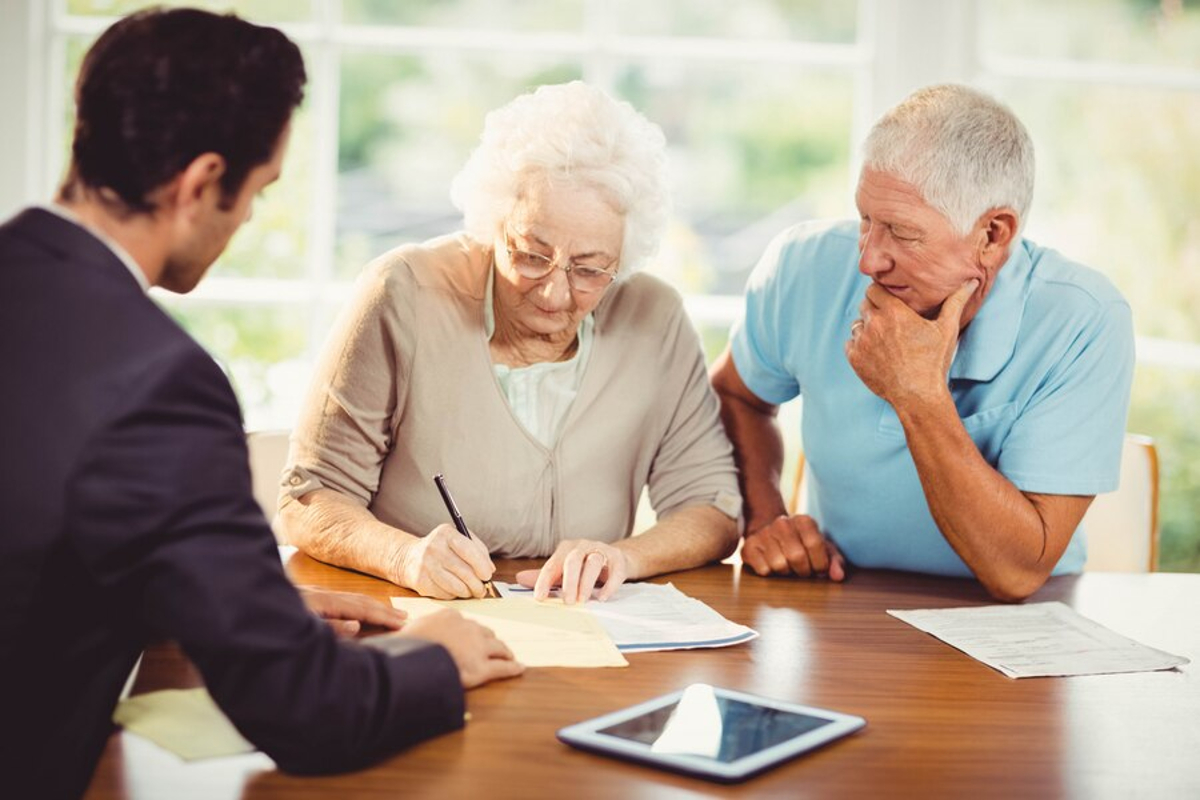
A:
<point x="712" y="733"/>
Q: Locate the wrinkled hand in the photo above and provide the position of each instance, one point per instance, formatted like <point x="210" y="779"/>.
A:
<point x="445" y="564"/>
<point x="478" y="654"/>
<point x="346" y="612"/>
<point x="577" y="565"/>
<point x="793" y="545"/>
<point x="898" y="353"/>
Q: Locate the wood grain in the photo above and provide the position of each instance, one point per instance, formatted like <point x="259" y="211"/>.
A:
<point x="939" y="724"/>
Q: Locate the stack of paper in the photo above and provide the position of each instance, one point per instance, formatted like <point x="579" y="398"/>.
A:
<point x="648" y="616"/>
<point x="1038" y="640"/>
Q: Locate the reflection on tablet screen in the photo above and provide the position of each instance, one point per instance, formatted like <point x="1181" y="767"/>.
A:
<point x="705" y="724"/>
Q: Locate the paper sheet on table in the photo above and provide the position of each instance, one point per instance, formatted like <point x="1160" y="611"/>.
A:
<point x="539" y="634"/>
<point x="1038" y="640"/>
<point x="642" y="617"/>
<point x="184" y="721"/>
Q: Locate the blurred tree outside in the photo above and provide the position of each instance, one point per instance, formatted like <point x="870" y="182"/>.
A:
<point x="1118" y="178"/>
<point x="406" y="125"/>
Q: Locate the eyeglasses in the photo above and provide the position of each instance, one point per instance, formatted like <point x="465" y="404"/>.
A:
<point x="535" y="266"/>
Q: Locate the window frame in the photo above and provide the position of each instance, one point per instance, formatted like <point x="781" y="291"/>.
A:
<point x="901" y="45"/>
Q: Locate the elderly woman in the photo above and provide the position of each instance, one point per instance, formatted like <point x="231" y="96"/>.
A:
<point x="526" y="360"/>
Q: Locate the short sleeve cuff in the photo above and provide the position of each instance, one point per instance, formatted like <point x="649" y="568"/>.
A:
<point x="1060" y="484"/>
<point x="769" y="387"/>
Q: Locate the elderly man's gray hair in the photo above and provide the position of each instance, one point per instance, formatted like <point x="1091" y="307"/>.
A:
<point x="576" y="133"/>
<point x="965" y="152"/>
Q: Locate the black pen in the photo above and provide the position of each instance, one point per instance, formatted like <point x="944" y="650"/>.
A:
<point x="459" y="524"/>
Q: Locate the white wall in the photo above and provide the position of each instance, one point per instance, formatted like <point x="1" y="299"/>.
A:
<point x="21" y="153"/>
<point x="917" y="43"/>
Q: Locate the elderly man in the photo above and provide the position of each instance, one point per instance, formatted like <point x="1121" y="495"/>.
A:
<point x="965" y="390"/>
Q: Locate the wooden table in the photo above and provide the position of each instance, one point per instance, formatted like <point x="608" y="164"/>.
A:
<point x="939" y="724"/>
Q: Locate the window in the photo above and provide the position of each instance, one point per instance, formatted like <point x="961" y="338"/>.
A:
<point x="759" y="114"/>
<point x="1110" y="91"/>
<point x="763" y="102"/>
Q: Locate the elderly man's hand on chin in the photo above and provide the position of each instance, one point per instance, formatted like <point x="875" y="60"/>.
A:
<point x="793" y="545"/>
<point x="897" y="353"/>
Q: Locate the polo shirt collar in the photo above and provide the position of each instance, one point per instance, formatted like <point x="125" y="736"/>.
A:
<point x="990" y="339"/>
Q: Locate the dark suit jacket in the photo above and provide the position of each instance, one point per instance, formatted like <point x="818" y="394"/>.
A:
<point x="126" y="514"/>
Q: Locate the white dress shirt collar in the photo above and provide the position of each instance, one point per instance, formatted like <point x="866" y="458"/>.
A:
<point x="118" y="251"/>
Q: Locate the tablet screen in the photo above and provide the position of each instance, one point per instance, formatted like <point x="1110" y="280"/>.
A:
<point x="704" y="723"/>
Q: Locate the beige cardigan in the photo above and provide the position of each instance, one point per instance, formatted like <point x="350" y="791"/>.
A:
<point x="405" y="389"/>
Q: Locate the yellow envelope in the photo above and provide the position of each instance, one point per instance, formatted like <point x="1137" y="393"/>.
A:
<point x="185" y="721"/>
<point x="547" y="634"/>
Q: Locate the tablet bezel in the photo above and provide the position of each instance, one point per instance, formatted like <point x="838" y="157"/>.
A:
<point x="586" y="736"/>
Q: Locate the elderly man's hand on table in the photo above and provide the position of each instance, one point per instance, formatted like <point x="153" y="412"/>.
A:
<point x="793" y="545"/>
<point x="577" y="566"/>
<point x="346" y="612"/>
<point x="898" y="353"/>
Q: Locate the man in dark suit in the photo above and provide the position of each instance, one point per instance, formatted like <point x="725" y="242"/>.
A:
<point x="124" y="479"/>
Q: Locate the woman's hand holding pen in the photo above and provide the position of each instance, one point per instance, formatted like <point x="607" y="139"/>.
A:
<point x="578" y="565"/>
<point x="445" y="565"/>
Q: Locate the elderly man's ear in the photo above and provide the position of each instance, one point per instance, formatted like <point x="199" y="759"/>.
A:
<point x="996" y="231"/>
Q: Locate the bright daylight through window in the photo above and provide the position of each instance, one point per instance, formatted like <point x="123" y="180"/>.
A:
<point x="762" y="102"/>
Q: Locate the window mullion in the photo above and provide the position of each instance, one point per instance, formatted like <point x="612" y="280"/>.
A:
<point x="325" y="76"/>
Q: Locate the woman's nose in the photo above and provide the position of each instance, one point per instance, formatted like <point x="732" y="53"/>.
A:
<point x="556" y="289"/>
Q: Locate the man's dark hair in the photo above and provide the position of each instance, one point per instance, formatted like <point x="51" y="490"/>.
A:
<point x="161" y="87"/>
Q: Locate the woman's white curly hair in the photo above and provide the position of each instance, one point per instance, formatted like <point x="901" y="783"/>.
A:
<point x="573" y="133"/>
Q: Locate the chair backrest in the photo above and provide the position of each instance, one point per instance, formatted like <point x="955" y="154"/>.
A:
<point x="268" y="454"/>
<point x="797" y="502"/>
<point x="1121" y="526"/>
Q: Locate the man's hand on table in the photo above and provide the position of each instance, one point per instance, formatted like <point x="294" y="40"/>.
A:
<point x="479" y="655"/>
<point x="793" y="545"/>
<point x="347" y="612"/>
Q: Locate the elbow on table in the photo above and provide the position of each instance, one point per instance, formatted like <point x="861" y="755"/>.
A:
<point x="1016" y="586"/>
<point x="303" y="523"/>
<point x="289" y="520"/>
<point x="732" y="538"/>
<point x="721" y="531"/>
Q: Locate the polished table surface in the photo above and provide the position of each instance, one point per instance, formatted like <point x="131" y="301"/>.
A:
<point x="939" y="724"/>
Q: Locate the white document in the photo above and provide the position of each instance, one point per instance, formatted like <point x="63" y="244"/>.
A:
<point x="648" y="616"/>
<point x="1038" y="640"/>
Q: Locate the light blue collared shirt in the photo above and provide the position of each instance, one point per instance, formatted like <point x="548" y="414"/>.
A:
<point x="1041" y="379"/>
